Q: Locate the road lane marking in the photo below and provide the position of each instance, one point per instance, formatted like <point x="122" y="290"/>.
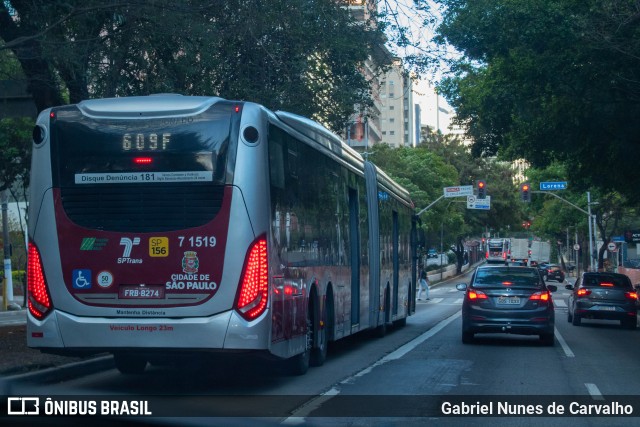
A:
<point x="397" y="354"/>
<point x="594" y="391"/>
<point x="563" y="343"/>
<point x="560" y="303"/>
<point x="298" y="416"/>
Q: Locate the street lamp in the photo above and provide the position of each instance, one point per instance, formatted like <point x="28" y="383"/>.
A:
<point x="592" y="232"/>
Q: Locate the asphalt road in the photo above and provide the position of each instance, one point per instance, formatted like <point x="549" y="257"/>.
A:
<point x="404" y="378"/>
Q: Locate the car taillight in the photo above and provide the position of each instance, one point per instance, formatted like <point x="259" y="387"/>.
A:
<point x="631" y="295"/>
<point x="475" y="295"/>
<point x="584" y="292"/>
<point x="541" y="296"/>
<point x="39" y="300"/>
<point x="253" y="292"/>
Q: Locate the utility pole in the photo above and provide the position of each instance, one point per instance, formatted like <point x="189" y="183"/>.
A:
<point x="7" y="289"/>
<point x="591" y="218"/>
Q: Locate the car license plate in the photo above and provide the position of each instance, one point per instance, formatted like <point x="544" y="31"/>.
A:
<point x="509" y="300"/>
<point x="606" y="308"/>
<point x="140" y="292"/>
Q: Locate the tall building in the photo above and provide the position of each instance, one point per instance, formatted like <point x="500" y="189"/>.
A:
<point x="397" y="117"/>
<point x="391" y="119"/>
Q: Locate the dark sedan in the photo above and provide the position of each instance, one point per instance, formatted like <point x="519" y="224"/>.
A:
<point x="552" y="272"/>
<point x="504" y="299"/>
<point x="608" y="296"/>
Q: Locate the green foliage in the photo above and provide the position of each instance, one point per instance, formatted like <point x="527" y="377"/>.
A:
<point x="433" y="165"/>
<point x="295" y="55"/>
<point x="550" y="80"/>
<point x="15" y="150"/>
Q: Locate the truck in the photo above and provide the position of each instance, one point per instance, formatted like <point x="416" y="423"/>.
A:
<point x="540" y="252"/>
<point x="519" y="251"/>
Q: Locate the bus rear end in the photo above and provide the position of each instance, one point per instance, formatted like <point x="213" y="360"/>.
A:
<point x="130" y="248"/>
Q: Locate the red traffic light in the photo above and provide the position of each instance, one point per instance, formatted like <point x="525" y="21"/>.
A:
<point x="482" y="189"/>
<point x="524" y="192"/>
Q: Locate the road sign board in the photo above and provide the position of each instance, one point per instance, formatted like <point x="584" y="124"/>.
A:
<point x="459" y="191"/>
<point x="561" y="185"/>
<point x="611" y="247"/>
<point x="617" y="238"/>
<point x="475" y="203"/>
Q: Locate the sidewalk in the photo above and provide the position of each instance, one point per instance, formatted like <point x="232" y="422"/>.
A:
<point x="15" y="314"/>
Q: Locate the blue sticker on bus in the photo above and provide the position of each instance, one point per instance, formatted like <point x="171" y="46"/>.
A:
<point x="81" y="279"/>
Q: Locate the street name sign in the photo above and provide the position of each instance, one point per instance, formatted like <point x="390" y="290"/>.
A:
<point x="459" y="191"/>
<point x="561" y="185"/>
<point x="483" y="204"/>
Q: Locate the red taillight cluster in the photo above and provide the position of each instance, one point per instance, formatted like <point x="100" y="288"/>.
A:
<point x="631" y="295"/>
<point x="254" y="283"/>
<point x="476" y="295"/>
<point x="39" y="301"/>
<point x="541" y="296"/>
<point x="583" y="292"/>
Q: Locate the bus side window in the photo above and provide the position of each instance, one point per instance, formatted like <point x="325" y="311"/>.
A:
<point x="293" y="158"/>
<point x="276" y="160"/>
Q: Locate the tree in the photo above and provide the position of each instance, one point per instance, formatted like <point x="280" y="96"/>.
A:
<point x="15" y="150"/>
<point x="550" y="80"/>
<point x="297" y="55"/>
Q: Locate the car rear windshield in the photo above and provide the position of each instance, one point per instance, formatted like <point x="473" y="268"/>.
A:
<point x="607" y="281"/>
<point x="507" y="277"/>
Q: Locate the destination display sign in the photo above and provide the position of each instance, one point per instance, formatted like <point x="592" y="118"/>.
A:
<point x="459" y="191"/>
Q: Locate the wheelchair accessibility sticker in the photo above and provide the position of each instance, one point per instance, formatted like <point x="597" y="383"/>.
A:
<point x="81" y="279"/>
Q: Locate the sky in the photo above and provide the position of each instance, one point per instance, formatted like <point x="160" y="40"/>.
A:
<point x="420" y="34"/>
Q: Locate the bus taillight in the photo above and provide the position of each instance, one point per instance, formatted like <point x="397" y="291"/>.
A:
<point x="254" y="284"/>
<point x="39" y="300"/>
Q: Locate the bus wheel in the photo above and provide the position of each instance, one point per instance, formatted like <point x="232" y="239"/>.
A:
<point x="400" y="322"/>
<point x="129" y="364"/>
<point x="319" y="342"/>
<point x="381" y="329"/>
<point x="299" y="364"/>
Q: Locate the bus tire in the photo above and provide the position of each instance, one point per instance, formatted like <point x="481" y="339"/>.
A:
<point x="319" y="342"/>
<point x="129" y="364"/>
<point x="299" y="364"/>
<point x="381" y="329"/>
<point x="400" y="322"/>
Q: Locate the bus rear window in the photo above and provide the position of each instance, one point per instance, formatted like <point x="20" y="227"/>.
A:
<point x="133" y="150"/>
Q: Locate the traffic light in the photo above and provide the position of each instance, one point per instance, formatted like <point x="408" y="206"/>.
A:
<point x="525" y="192"/>
<point x="482" y="189"/>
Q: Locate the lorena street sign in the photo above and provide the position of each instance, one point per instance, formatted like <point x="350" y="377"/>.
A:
<point x="562" y="185"/>
<point x="474" y="203"/>
<point x="459" y="191"/>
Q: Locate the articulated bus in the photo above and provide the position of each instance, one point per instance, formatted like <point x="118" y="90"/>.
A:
<point x="497" y="250"/>
<point x="169" y="225"/>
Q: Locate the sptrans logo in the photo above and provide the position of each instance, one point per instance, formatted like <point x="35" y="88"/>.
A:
<point x="126" y="253"/>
